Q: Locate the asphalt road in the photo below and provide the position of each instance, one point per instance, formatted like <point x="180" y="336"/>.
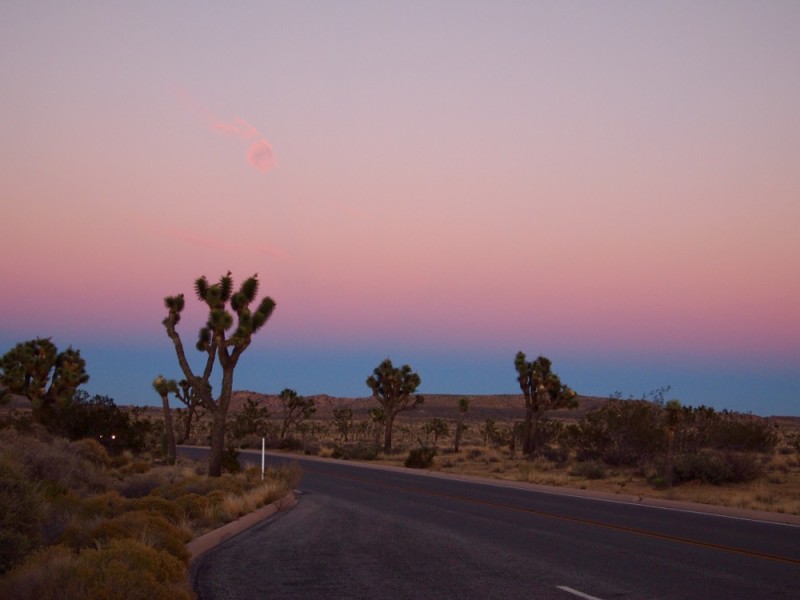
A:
<point x="369" y="533"/>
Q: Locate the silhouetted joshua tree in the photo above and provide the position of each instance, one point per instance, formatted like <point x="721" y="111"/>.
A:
<point x="394" y="389"/>
<point x="543" y="391"/>
<point x="165" y="387"/>
<point x="219" y="344"/>
<point x="37" y="370"/>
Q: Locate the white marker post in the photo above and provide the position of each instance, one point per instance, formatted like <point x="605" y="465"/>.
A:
<point x="263" y="451"/>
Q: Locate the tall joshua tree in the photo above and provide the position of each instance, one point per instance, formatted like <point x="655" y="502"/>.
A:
<point x="37" y="370"/>
<point x="394" y="389"/>
<point x="219" y="344"/>
<point x="543" y="391"/>
<point x="165" y="387"/>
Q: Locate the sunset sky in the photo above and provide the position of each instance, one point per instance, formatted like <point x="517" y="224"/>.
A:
<point x="615" y="185"/>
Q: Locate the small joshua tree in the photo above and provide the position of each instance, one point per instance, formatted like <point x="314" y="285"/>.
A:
<point x="343" y="418"/>
<point x="543" y="391"/>
<point x="296" y="409"/>
<point x="463" y="407"/>
<point x="165" y="387"/>
<point x="37" y="370"/>
<point x="191" y="400"/>
<point x="394" y="389"/>
<point x="219" y="344"/>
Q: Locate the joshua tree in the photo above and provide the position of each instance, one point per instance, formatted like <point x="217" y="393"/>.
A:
<point x="253" y="419"/>
<point x="218" y="344"/>
<point x="343" y="418"/>
<point x="436" y="427"/>
<point x="296" y="409"/>
<point x="543" y="391"/>
<point x="463" y="407"/>
<point x="37" y="370"/>
<point x="394" y="389"/>
<point x="187" y="396"/>
<point x="165" y="387"/>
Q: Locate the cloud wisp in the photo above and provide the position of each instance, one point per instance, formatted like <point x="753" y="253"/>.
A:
<point x="259" y="153"/>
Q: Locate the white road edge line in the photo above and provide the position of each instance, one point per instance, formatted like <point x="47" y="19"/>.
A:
<point x="569" y="590"/>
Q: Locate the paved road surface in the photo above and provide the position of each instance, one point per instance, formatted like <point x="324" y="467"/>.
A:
<point x="368" y="533"/>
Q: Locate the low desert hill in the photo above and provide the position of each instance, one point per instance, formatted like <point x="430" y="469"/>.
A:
<point x="481" y="407"/>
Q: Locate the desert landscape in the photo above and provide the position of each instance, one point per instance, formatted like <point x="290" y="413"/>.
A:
<point x="773" y="485"/>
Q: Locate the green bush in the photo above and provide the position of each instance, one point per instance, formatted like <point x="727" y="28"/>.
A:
<point x="420" y="458"/>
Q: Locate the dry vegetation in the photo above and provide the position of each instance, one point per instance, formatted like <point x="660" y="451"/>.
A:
<point x="78" y="522"/>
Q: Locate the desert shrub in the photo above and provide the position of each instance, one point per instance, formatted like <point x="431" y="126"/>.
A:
<point x="230" y="460"/>
<point x="356" y="452"/>
<point x="621" y="432"/>
<point x="290" y="443"/>
<point x="311" y="448"/>
<point x="139" y="485"/>
<point x="147" y="528"/>
<point x="121" y="460"/>
<point x="590" y="469"/>
<point x="120" y="569"/>
<point x="707" y="466"/>
<point x="93" y="451"/>
<point x="250" y="441"/>
<point x="194" y="506"/>
<point x="546" y="433"/>
<point x="744" y="466"/>
<point x="420" y="458"/>
<point x="106" y="504"/>
<point x="44" y="575"/>
<point x="743" y="433"/>
<point x="98" y="417"/>
<point x="53" y="461"/>
<point x="128" y="569"/>
<point x="557" y="454"/>
<point x="171" y="511"/>
<point x="474" y="453"/>
<point x="20" y="515"/>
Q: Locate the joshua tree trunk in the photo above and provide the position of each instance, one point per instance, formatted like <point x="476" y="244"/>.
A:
<point x="163" y="387"/>
<point x="221" y="415"/>
<point x="387" y="434"/>
<point x="170" y="431"/>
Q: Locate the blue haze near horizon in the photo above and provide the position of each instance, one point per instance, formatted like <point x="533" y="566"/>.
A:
<point x="125" y="374"/>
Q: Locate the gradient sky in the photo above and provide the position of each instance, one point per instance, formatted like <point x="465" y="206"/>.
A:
<point x="615" y="185"/>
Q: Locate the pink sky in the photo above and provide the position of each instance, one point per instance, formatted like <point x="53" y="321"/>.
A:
<point x="567" y="177"/>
